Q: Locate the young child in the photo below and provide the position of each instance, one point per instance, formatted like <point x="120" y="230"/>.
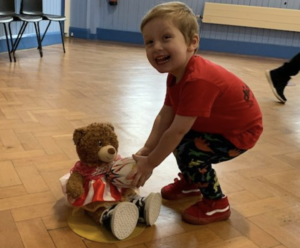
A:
<point x="209" y="115"/>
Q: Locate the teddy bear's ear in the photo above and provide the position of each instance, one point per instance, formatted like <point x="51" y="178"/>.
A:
<point x="110" y="125"/>
<point x="77" y="135"/>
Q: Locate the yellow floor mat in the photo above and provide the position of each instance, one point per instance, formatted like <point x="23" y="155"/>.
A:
<point x="85" y="227"/>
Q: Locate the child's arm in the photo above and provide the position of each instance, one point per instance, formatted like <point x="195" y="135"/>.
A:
<point x="167" y="143"/>
<point x="162" y="122"/>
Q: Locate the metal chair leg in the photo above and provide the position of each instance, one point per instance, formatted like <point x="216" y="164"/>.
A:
<point x="20" y="34"/>
<point x="62" y="35"/>
<point x="45" y="31"/>
<point x="38" y="36"/>
<point x="11" y="42"/>
<point x="7" y="42"/>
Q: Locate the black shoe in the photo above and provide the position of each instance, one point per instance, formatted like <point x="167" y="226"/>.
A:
<point x="277" y="85"/>
<point x="149" y="208"/>
<point x="121" y="219"/>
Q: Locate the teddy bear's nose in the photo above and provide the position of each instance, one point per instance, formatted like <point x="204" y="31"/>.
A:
<point x="111" y="151"/>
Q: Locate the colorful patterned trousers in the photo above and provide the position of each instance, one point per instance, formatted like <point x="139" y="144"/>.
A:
<point x="195" y="155"/>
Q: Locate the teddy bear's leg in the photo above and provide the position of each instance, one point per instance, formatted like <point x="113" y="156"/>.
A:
<point x="120" y="219"/>
<point x="96" y="215"/>
<point x="149" y="207"/>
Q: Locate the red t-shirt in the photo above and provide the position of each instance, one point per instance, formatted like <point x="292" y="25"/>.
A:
<point x="222" y="102"/>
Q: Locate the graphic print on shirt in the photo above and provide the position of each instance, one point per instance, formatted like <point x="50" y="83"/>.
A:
<point x="247" y="95"/>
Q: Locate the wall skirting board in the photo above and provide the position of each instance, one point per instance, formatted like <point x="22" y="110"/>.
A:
<point x="30" y="41"/>
<point x="206" y="44"/>
<point x="248" y="48"/>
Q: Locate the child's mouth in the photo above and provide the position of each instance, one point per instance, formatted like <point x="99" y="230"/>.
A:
<point x="162" y="59"/>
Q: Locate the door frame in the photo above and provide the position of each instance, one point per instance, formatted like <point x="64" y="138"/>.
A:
<point x="66" y="11"/>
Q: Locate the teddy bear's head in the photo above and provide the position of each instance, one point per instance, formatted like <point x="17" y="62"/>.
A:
<point x="96" y="143"/>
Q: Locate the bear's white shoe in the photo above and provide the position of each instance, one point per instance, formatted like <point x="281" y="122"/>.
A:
<point x="149" y="208"/>
<point x="121" y="219"/>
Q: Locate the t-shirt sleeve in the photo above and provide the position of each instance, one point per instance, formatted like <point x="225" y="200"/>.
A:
<point x="197" y="98"/>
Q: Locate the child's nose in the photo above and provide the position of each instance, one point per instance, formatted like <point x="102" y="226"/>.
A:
<point x="157" y="46"/>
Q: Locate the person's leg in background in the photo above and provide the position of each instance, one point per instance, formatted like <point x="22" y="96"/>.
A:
<point x="279" y="77"/>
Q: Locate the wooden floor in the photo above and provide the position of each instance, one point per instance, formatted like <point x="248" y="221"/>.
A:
<point x="43" y="100"/>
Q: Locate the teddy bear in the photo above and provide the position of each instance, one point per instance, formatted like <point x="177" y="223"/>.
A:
<point x="89" y="184"/>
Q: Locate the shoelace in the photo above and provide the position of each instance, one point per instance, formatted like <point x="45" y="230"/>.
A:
<point x="141" y="202"/>
<point x="106" y="214"/>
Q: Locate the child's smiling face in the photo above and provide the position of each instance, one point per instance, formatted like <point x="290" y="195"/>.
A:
<point x="166" y="47"/>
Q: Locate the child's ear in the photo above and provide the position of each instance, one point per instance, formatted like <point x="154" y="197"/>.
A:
<point x="194" y="43"/>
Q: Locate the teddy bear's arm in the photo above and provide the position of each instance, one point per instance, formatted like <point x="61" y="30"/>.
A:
<point x="75" y="185"/>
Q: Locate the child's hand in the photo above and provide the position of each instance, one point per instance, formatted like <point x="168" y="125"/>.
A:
<point x="142" y="171"/>
<point x="143" y="151"/>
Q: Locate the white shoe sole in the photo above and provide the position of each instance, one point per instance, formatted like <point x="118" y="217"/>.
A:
<point x="268" y="75"/>
<point x="152" y="208"/>
<point x="124" y="220"/>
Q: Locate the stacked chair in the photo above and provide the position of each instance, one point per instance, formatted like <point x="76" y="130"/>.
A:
<point x="31" y="11"/>
<point x="7" y="8"/>
<point x="35" y="8"/>
<point x="4" y="20"/>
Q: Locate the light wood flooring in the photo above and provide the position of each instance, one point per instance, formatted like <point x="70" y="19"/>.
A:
<point x="42" y="101"/>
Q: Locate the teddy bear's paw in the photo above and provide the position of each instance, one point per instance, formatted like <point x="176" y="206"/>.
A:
<point x="121" y="219"/>
<point x="75" y="193"/>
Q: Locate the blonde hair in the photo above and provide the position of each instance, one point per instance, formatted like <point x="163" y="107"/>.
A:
<point x="182" y="16"/>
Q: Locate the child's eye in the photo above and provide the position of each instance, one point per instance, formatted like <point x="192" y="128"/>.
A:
<point x="148" y="42"/>
<point x="166" y="37"/>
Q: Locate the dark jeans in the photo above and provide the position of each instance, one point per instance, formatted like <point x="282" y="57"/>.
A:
<point x="195" y="155"/>
<point x="288" y="69"/>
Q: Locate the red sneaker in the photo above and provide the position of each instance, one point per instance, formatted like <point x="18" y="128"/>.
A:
<point x="207" y="211"/>
<point x="179" y="189"/>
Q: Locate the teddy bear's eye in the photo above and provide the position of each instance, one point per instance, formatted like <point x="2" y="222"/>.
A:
<point x="99" y="143"/>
